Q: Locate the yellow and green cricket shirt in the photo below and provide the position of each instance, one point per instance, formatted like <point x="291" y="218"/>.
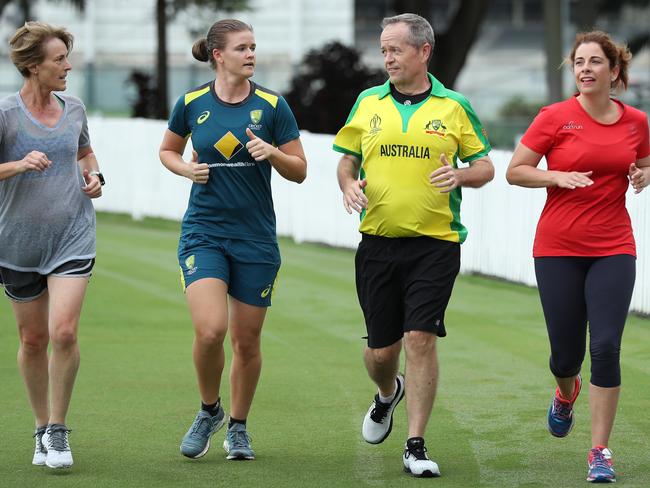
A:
<point x="399" y="147"/>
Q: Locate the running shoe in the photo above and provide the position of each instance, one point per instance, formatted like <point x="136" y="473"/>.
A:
<point x="197" y="439"/>
<point x="40" y="451"/>
<point x="416" y="461"/>
<point x="238" y="443"/>
<point x="56" y="443"/>
<point x="378" y="421"/>
<point x="601" y="469"/>
<point x="560" y="412"/>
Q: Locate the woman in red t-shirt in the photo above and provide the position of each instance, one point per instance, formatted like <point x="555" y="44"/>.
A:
<point x="585" y="255"/>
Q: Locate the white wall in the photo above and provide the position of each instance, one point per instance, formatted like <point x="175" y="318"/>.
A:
<point x="501" y="219"/>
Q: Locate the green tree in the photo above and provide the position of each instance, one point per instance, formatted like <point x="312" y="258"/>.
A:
<point x="326" y="85"/>
<point x="165" y="11"/>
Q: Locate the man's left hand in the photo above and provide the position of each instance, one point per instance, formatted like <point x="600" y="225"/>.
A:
<point x="446" y="177"/>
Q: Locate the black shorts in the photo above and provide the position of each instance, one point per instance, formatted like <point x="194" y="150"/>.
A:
<point x="25" y="286"/>
<point x="404" y="284"/>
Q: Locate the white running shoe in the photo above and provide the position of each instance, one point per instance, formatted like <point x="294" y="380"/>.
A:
<point x="58" y="448"/>
<point x="378" y="421"/>
<point x="40" y="451"/>
<point x="416" y="461"/>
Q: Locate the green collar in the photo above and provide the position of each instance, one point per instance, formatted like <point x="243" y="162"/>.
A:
<point x="437" y="88"/>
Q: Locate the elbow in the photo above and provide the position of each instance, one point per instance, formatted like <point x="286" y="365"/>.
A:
<point x="301" y="174"/>
<point x="510" y="177"/>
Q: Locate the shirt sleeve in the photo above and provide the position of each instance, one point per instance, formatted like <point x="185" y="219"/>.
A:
<point x="177" y="123"/>
<point x="473" y="137"/>
<point x="84" y="135"/>
<point x="540" y="135"/>
<point x="348" y="138"/>
<point x="285" y="127"/>
<point x="644" y="148"/>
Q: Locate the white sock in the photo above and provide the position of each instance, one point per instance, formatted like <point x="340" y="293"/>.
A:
<point x="388" y="399"/>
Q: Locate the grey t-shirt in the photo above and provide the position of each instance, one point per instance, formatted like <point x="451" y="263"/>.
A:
<point x="45" y="218"/>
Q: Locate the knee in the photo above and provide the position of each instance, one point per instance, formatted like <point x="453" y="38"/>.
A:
<point x="246" y="346"/>
<point x="419" y="342"/>
<point x="606" y="351"/>
<point x="33" y="343"/>
<point x="64" y="336"/>
<point x="384" y="356"/>
<point x="210" y="337"/>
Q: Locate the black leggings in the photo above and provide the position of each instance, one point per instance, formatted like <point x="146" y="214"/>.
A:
<point x="577" y="290"/>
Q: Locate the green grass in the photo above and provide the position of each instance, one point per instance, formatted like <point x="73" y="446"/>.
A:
<point x="136" y="392"/>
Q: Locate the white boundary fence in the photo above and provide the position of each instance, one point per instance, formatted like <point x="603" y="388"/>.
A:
<point x="501" y="219"/>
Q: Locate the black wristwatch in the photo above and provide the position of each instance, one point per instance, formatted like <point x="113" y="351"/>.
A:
<point x="102" y="181"/>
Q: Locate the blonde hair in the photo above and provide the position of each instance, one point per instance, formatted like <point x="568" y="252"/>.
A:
<point x="217" y="38"/>
<point x="28" y="41"/>
<point x="617" y="54"/>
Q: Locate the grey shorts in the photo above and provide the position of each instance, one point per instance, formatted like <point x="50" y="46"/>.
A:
<point x="25" y="286"/>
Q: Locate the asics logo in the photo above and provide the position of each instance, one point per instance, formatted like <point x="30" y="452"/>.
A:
<point x="203" y="117"/>
<point x="266" y="291"/>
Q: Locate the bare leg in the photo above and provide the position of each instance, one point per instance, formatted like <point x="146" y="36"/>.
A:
<point x="207" y="300"/>
<point x="245" y="331"/>
<point x="66" y="299"/>
<point x="567" y="386"/>
<point x="421" y="379"/>
<point x="382" y="365"/>
<point x="602" y="404"/>
<point x="31" y="318"/>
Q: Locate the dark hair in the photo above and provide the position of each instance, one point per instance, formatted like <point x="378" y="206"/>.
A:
<point x="617" y="54"/>
<point x="27" y="44"/>
<point x="217" y="38"/>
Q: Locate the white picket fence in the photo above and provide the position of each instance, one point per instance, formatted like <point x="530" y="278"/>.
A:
<point x="501" y="219"/>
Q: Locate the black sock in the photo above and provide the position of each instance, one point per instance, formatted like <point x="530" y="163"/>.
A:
<point x="233" y="421"/>
<point x="212" y="409"/>
<point x="415" y="443"/>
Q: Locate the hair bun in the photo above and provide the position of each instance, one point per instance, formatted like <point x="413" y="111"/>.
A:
<point x="200" y="50"/>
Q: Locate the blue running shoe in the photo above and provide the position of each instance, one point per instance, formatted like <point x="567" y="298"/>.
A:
<point x="601" y="469"/>
<point x="238" y="443"/>
<point x="197" y="440"/>
<point x="560" y="413"/>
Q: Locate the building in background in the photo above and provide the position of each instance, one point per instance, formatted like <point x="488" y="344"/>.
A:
<point x="506" y="63"/>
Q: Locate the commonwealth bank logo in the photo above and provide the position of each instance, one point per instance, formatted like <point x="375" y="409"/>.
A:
<point x="228" y="145"/>
<point x="203" y="117"/>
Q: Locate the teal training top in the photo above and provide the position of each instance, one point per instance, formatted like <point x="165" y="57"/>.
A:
<point x="236" y="202"/>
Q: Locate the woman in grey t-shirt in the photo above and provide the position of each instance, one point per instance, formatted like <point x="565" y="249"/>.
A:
<point x="48" y="174"/>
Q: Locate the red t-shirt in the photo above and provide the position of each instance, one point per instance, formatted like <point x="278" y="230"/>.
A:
<point x="590" y="221"/>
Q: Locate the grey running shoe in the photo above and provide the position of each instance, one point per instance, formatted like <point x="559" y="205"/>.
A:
<point x="238" y="443"/>
<point x="197" y="440"/>
<point x="40" y="451"/>
<point x="55" y="440"/>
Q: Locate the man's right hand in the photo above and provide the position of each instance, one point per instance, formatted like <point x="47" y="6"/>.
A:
<point x="353" y="197"/>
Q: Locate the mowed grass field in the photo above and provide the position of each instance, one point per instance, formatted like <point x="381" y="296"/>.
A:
<point x="136" y="395"/>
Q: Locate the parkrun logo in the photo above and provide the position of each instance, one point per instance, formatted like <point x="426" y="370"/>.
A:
<point x="203" y="117"/>
<point x="572" y="126"/>
<point x="375" y="125"/>
<point x="404" y="151"/>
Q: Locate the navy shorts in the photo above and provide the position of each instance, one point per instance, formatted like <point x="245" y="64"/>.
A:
<point x="249" y="268"/>
<point x="404" y="284"/>
<point x="25" y="286"/>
